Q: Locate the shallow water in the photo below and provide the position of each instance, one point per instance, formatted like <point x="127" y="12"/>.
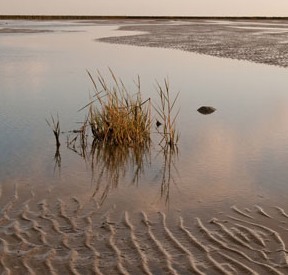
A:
<point x="237" y="154"/>
<point x="218" y="215"/>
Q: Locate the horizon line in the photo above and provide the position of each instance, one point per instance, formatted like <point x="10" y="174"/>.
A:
<point x="67" y="17"/>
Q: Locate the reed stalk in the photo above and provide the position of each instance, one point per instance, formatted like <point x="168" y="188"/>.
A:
<point x="167" y="116"/>
<point x="55" y="126"/>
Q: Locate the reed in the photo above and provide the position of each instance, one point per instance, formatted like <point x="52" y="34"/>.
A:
<point x="167" y="116"/>
<point x="55" y="126"/>
<point x="117" y="117"/>
<point x="115" y="137"/>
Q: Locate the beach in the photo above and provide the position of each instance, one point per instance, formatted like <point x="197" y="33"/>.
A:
<point x="216" y="205"/>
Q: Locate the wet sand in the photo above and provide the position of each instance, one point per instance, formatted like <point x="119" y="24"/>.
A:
<point x="260" y="41"/>
<point x="47" y="232"/>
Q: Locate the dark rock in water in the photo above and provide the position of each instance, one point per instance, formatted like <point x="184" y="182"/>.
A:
<point x="206" y="110"/>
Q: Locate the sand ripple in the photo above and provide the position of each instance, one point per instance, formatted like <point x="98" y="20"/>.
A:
<point x="68" y="236"/>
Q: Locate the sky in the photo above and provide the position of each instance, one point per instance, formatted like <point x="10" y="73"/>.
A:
<point x="146" y="7"/>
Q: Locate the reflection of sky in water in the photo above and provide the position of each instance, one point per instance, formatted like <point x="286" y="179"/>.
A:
<point x="239" y="150"/>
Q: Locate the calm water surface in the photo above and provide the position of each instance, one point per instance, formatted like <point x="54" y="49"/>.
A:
<point x="237" y="155"/>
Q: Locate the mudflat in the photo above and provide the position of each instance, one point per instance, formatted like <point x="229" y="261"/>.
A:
<point x="260" y="41"/>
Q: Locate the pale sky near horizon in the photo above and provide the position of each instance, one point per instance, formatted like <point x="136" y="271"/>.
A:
<point x="147" y="7"/>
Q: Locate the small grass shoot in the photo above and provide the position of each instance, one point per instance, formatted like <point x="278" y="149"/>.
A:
<point x="55" y="126"/>
<point x="167" y="118"/>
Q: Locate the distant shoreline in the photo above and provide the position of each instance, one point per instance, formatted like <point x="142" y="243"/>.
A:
<point x="98" y="17"/>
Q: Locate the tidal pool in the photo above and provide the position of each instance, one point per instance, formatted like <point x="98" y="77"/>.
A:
<point x="239" y="151"/>
<point x="237" y="155"/>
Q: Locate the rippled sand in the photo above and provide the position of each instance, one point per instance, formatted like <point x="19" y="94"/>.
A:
<point x="260" y="41"/>
<point x="47" y="233"/>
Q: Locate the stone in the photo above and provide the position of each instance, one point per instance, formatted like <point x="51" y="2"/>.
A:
<point x="206" y="110"/>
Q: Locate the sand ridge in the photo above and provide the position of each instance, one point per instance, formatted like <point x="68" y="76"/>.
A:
<point x="62" y="235"/>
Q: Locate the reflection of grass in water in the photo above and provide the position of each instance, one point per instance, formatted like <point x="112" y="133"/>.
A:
<point x="169" y="154"/>
<point x="81" y="135"/>
<point x="109" y="163"/>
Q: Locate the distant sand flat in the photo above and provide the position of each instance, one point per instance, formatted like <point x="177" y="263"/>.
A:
<point x="260" y="41"/>
<point x="15" y="30"/>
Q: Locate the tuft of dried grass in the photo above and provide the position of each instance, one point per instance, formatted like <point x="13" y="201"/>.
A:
<point x="115" y="116"/>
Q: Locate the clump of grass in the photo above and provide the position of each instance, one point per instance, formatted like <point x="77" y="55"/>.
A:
<point x="115" y="135"/>
<point x="55" y="126"/>
<point x="119" y="118"/>
<point x="167" y="116"/>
